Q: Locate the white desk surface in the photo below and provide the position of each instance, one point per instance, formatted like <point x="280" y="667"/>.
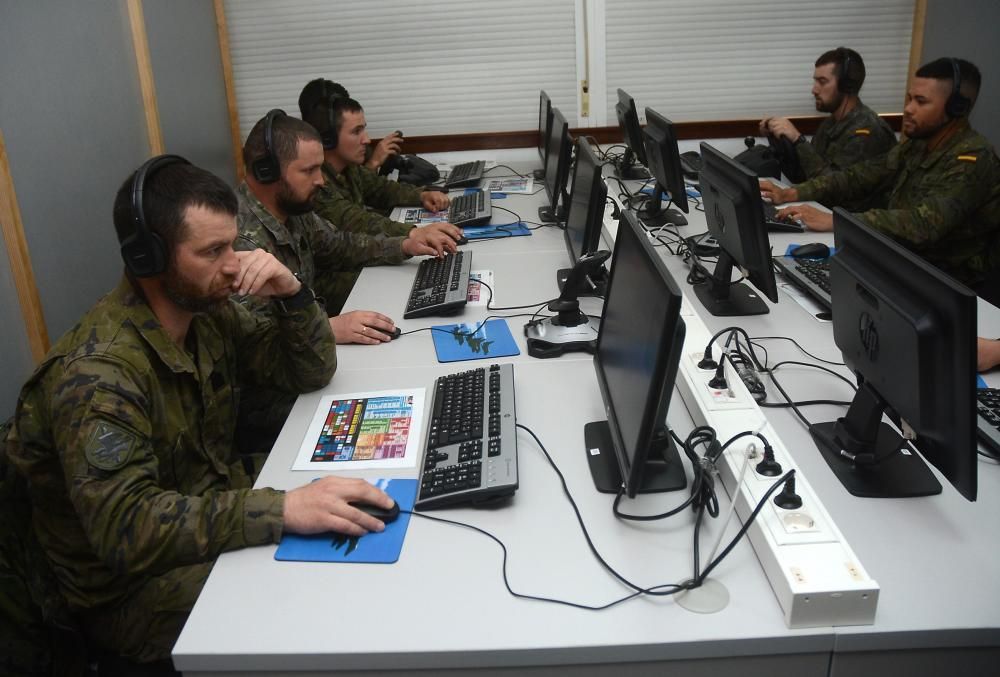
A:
<point x="443" y="605"/>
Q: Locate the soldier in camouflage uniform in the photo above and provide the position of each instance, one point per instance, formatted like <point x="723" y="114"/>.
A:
<point x="942" y="184"/>
<point x="277" y="216"/>
<point x="853" y="132"/>
<point x="354" y="197"/>
<point x="124" y="432"/>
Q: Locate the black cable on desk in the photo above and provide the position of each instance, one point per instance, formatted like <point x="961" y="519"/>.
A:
<point x="511" y="169"/>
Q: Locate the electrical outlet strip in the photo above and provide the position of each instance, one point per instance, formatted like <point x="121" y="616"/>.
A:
<point x="815" y="575"/>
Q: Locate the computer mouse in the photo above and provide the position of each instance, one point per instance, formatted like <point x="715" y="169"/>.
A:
<point x="462" y="240"/>
<point x="387" y="516"/>
<point x="811" y="250"/>
<point x="393" y="335"/>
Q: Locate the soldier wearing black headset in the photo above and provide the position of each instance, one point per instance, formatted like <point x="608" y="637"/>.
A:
<point x="125" y="430"/>
<point x="941" y="184"/>
<point x="853" y="131"/>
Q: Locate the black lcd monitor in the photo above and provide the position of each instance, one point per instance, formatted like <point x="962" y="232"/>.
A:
<point x="628" y="121"/>
<point x="735" y="216"/>
<point x="664" y="162"/>
<point x="559" y="152"/>
<point x="908" y="331"/>
<point x="638" y="350"/>
<point x="585" y="218"/>
<point x="544" y="120"/>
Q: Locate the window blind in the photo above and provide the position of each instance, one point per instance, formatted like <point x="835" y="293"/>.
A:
<point x="734" y="59"/>
<point x="435" y="67"/>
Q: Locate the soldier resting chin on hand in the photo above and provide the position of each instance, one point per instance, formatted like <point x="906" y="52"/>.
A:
<point x="125" y="430"/>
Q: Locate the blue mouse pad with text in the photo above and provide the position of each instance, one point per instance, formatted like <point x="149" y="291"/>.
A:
<point x="372" y="548"/>
<point x="456" y="342"/>
<point x="499" y="230"/>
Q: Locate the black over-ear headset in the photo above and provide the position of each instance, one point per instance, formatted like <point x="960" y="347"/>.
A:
<point x="958" y="105"/>
<point x="845" y="83"/>
<point x="267" y="169"/>
<point x="331" y="134"/>
<point x="144" y="251"/>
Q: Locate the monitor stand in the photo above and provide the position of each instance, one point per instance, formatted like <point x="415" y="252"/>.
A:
<point x="538" y="174"/>
<point x="662" y="470"/>
<point x="661" y="217"/>
<point x="884" y="465"/>
<point x="723" y="298"/>
<point x="594" y="285"/>
<point x="548" y="215"/>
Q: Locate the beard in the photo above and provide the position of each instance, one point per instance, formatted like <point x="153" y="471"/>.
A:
<point x="289" y="204"/>
<point x="187" y="296"/>
<point x="829" y="106"/>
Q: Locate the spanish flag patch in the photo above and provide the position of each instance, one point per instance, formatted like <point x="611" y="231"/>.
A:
<point x="966" y="158"/>
<point x="864" y="131"/>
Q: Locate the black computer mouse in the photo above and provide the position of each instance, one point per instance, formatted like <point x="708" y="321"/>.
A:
<point x="811" y="250"/>
<point x="462" y="240"/>
<point x="393" y="335"/>
<point x="387" y="516"/>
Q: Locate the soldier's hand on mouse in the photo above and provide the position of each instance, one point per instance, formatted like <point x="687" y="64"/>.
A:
<point x="322" y="506"/>
<point x="362" y="326"/>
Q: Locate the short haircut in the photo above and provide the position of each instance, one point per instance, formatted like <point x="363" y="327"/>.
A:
<point x="286" y="132"/>
<point x="943" y="69"/>
<point x="851" y="81"/>
<point x="166" y="194"/>
<point x="316" y="91"/>
<point x="332" y="109"/>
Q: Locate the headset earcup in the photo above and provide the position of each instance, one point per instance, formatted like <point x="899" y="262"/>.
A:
<point x="144" y="254"/>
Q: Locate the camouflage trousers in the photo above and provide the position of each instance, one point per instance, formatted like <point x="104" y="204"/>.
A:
<point x="145" y="627"/>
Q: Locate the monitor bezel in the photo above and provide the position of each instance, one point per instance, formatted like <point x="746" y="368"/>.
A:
<point x="597" y="195"/>
<point x="631" y="127"/>
<point x="663" y="160"/>
<point x="544" y="122"/>
<point x="556" y="168"/>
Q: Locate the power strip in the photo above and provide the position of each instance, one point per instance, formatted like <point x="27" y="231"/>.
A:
<point x="814" y="573"/>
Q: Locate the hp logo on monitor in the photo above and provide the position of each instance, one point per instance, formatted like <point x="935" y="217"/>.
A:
<point x="868" y="333"/>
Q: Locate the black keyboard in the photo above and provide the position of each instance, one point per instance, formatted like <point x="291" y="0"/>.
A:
<point x="465" y="174"/>
<point x="988" y="406"/>
<point x="441" y="286"/>
<point x="474" y="209"/>
<point x="778" y="225"/>
<point x="471" y="453"/>
<point x="810" y="275"/>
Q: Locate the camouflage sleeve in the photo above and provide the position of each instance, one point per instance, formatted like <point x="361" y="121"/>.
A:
<point x="381" y="193"/>
<point x="291" y="352"/>
<point x="103" y="430"/>
<point x="337" y="207"/>
<point x="855" y="182"/>
<point x="809" y="158"/>
<point x="956" y="194"/>
<point x="335" y="249"/>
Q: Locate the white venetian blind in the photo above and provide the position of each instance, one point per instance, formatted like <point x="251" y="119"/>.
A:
<point x="432" y="67"/>
<point x="732" y="59"/>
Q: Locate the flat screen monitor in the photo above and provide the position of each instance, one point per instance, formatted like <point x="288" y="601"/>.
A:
<point x="908" y="331"/>
<point x="664" y="162"/>
<point x="638" y="351"/>
<point x="628" y="121"/>
<point x="585" y="217"/>
<point x="558" y="154"/>
<point x="544" y="120"/>
<point x="735" y="216"/>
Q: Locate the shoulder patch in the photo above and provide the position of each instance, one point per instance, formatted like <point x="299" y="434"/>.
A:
<point x="110" y="446"/>
<point x="864" y="131"/>
<point x="967" y="158"/>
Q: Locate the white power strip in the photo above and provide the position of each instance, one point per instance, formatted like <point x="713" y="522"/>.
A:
<point x="815" y="575"/>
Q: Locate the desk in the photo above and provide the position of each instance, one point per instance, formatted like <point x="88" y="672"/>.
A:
<point x="443" y="605"/>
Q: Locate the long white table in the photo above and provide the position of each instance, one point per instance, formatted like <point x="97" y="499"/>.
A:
<point x="443" y="605"/>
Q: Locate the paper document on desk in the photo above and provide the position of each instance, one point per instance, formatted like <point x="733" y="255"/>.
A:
<point x="512" y="186"/>
<point x="478" y="295"/>
<point x="372" y="548"/>
<point x="362" y="431"/>
<point x="417" y="215"/>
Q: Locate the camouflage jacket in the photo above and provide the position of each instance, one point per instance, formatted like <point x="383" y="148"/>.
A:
<point x="308" y="244"/>
<point x="126" y="439"/>
<point x="838" y="144"/>
<point x="345" y="200"/>
<point x="943" y="204"/>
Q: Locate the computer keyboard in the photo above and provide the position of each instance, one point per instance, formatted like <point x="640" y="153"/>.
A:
<point x="465" y="174"/>
<point x="988" y="406"/>
<point x="775" y="224"/>
<point x="471" y="453"/>
<point x="810" y="275"/>
<point x="474" y="209"/>
<point x="440" y="287"/>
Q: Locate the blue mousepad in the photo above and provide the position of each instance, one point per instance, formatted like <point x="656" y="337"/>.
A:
<point x="372" y="548"/>
<point x="499" y="230"/>
<point x="493" y="339"/>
